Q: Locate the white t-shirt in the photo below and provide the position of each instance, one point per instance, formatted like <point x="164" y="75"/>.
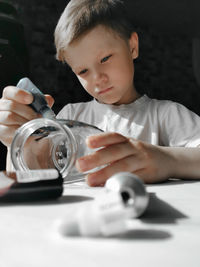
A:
<point x="159" y="122"/>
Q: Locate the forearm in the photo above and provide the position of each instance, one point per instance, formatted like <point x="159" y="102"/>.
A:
<point x="184" y="162"/>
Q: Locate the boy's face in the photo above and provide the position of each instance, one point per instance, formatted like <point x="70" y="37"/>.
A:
<point x="103" y="63"/>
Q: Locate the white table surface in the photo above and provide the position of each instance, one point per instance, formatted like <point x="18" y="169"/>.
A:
<point x="167" y="235"/>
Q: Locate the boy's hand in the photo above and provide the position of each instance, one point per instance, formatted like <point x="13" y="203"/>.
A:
<point x="151" y="163"/>
<point x="14" y="111"/>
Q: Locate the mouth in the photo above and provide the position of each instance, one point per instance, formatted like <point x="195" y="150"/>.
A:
<point x="105" y="90"/>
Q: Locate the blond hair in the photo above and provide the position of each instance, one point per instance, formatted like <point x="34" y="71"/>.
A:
<point x="81" y="16"/>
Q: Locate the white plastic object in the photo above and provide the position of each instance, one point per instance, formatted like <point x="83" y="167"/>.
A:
<point x="124" y="197"/>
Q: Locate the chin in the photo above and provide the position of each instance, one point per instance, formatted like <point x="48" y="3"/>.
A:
<point x="112" y="101"/>
<point x="109" y="102"/>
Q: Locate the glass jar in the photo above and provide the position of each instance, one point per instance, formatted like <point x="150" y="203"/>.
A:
<point x="45" y="143"/>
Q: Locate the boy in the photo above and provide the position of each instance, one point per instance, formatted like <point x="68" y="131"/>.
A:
<point x="153" y="139"/>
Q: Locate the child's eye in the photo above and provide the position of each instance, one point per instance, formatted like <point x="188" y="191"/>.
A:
<point x="83" y="71"/>
<point x="105" y="59"/>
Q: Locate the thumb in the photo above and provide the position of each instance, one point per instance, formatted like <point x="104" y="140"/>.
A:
<point x="50" y="100"/>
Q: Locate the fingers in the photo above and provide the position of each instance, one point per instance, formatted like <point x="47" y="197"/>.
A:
<point x="105" y="155"/>
<point x="128" y="164"/>
<point x="105" y="139"/>
<point x="9" y="118"/>
<point x="11" y="110"/>
<point x="22" y="96"/>
<point x="118" y="154"/>
<point x="15" y="111"/>
<point x="49" y="100"/>
<point x="121" y="154"/>
<point x="115" y="147"/>
<point x="17" y="94"/>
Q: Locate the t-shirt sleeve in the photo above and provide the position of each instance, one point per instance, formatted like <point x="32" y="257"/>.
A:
<point x="65" y="113"/>
<point x="179" y="126"/>
<point x="76" y="111"/>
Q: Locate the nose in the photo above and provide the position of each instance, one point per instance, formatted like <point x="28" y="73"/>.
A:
<point x="100" y="78"/>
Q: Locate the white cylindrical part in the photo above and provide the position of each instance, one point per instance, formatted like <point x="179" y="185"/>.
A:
<point x="124" y="197"/>
<point x="105" y="216"/>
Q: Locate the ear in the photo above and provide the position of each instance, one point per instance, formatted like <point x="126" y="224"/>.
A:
<point x="134" y="45"/>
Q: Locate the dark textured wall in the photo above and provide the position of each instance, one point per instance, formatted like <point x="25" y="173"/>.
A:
<point x="163" y="70"/>
<point x="39" y="18"/>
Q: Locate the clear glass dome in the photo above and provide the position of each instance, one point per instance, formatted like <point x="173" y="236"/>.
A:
<point x="45" y="143"/>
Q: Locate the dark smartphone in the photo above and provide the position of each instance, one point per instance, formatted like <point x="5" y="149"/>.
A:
<point x="26" y="186"/>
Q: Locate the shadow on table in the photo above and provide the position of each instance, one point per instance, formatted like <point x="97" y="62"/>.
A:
<point x="73" y="199"/>
<point x="158" y="213"/>
<point x="62" y="200"/>
<point x="144" y="234"/>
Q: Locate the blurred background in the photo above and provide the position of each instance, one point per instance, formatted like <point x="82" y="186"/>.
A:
<point x="165" y="69"/>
